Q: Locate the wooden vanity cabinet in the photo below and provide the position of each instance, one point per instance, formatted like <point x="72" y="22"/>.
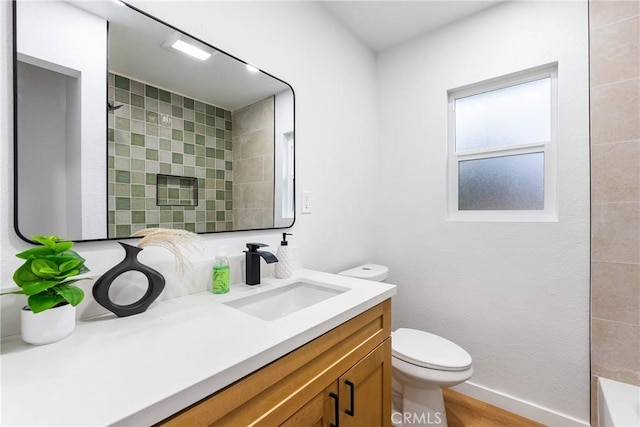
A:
<point x="365" y="398"/>
<point x="356" y="399"/>
<point x="346" y="373"/>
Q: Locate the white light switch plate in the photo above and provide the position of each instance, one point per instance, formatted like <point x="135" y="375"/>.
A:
<point x="306" y="202"/>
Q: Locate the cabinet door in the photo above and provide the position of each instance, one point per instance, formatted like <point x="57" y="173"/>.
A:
<point x="321" y="411"/>
<point x="365" y="390"/>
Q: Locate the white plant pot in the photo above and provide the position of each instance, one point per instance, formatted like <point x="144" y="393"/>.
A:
<point x="47" y="326"/>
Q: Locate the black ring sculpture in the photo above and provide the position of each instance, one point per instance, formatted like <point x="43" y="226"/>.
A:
<point x="129" y="263"/>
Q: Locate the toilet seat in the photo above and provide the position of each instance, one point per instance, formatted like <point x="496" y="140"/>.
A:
<point x="427" y="350"/>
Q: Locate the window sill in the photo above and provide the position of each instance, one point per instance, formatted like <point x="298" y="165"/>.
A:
<point x="502" y="216"/>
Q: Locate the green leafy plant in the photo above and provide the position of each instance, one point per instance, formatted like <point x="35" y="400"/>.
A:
<point x="45" y="275"/>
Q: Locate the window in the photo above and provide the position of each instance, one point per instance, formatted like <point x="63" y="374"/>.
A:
<point x="502" y="148"/>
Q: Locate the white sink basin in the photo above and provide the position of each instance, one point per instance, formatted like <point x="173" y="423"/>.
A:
<point x="282" y="301"/>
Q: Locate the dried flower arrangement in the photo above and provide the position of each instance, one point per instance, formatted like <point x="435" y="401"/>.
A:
<point x="170" y="239"/>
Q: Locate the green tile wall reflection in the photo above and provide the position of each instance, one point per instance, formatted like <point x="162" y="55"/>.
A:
<point x="160" y="132"/>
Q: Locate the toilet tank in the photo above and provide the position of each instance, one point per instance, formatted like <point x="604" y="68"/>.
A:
<point x="374" y="272"/>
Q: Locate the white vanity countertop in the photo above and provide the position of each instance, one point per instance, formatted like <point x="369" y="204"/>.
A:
<point x="141" y="369"/>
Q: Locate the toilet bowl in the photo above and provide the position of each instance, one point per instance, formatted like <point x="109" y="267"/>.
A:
<point x="422" y="364"/>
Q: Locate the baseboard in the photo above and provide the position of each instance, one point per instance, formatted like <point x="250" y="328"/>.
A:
<point x="519" y="407"/>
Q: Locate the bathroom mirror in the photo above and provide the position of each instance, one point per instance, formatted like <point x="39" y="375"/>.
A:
<point x="124" y="122"/>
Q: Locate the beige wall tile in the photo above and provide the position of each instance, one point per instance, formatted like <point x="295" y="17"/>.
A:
<point x="253" y="140"/>
<point x="253" y="218"/>
<point x="594" y="400"/>
<point x="615" y="351"/>
<point x="238" y="197"/>
<point x="615" y="232"/>
<point x="257" y="143"/>
<point x="256" y="195"/>
<point x="615" y="172"/>
<point x="269" y="166"/>
<point x="615" y="112"/>
<point x="254" y="117"/>
<point x="615" y="292"/>
<point x="607" y="12"/>
<point x="615" y="52"/>
<point x="615" y="130"/>
<point x="248" y="170"/>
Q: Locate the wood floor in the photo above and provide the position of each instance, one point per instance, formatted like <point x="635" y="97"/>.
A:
<point x="464" y="411"/>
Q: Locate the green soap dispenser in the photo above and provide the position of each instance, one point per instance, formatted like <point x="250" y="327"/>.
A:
<point x="221" y="274"/>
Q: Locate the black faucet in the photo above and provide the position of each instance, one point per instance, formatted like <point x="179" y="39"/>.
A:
<point x="252" y="262"/>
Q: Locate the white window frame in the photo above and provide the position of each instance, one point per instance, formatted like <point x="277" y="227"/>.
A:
<point x="549" y="148"/>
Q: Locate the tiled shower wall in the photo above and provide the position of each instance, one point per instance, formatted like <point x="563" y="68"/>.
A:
<point x="615" y="190"/>
<point x="159" y="132"/>
<point x="253" y="136"/>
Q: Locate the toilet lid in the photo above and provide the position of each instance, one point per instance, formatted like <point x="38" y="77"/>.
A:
<point x="373" y="272"/>
<point x="428" y="350"/>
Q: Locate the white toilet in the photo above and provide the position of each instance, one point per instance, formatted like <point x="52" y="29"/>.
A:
<point x="422" y="364"/>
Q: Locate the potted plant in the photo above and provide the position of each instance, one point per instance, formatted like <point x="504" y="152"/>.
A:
<point x="45" y="277"/>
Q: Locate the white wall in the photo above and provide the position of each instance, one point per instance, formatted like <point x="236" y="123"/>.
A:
<point x="284" y="124"/>
<point x="43" y="158"/>
<point x="43" y="42"/>
<point x="514" y="295"/>
<point x="333" y="77"/>
<point x="334" y="81"/>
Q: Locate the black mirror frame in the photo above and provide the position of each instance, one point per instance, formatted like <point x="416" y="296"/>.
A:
<point x="15" y="128"/>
